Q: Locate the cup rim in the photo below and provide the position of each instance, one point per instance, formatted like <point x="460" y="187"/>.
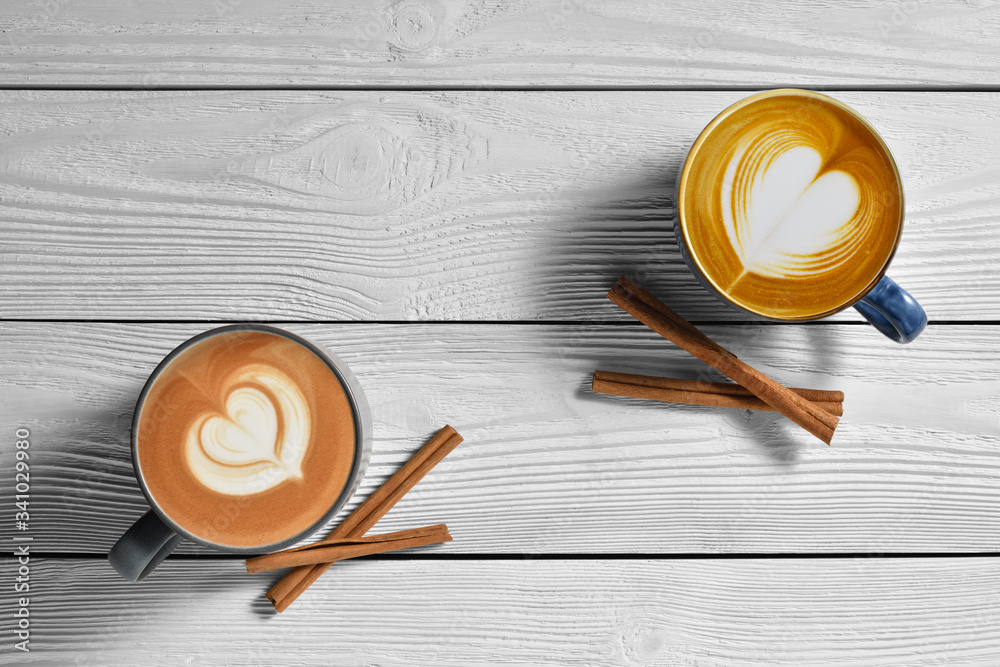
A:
<point x="360" y="435"/>
<point x="681" y="224"/>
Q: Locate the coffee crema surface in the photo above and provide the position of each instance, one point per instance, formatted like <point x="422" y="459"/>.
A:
<point x="791" y="205"/>
<point x="246" y="438"/>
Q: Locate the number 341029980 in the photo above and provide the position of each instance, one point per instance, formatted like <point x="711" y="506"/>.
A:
<point x="21" y="473"/>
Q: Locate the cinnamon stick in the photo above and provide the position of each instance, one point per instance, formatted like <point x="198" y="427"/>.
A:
<point x="293" y="584"/>
<point x="369" y="539"/>
<point x="646" y="308"/>
<point x="696" y="392"/>
<point x="330" y="551"/>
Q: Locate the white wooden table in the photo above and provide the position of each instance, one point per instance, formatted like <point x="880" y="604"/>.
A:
<point x="441" y="192"/>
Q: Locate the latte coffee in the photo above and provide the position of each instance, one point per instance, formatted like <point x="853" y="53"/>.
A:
<point x="790" y="205"/>
<point x="245" y="438"/>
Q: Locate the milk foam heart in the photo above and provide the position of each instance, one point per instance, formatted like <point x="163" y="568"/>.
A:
<point x="261" y="439"/>
<point x="781" y="215"/>
<point x="246" y="437"/>
<point x="789" y="205"/>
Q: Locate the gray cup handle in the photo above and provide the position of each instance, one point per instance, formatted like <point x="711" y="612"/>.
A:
<point x="143" y="547"/>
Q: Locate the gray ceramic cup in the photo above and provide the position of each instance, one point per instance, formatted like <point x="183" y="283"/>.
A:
<point x="155" y="534"/>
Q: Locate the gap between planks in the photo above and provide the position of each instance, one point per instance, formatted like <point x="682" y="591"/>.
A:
<point x="664" y="556"/>
<point x="609" y="88"/>
<point x="595" y="323"/>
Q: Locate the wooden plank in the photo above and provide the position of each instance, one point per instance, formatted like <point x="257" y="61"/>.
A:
<point x="547" y="466"/>
<point x="486" y="43"/>
<point x="790" y="612"/>
<point x="414" y="206"/>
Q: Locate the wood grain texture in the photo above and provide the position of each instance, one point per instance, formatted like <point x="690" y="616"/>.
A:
<point x="794" y="612"/>
<point x="147" y="43"/>
<point x="548" y="467"/>
<point x="416" y="206"/>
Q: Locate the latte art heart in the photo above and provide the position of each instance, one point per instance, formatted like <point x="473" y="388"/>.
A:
<point x="789" y="205"/>
<point x="258" y="442"/>
<point x="247" y="437"/>
<point x="783" y="217"/>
